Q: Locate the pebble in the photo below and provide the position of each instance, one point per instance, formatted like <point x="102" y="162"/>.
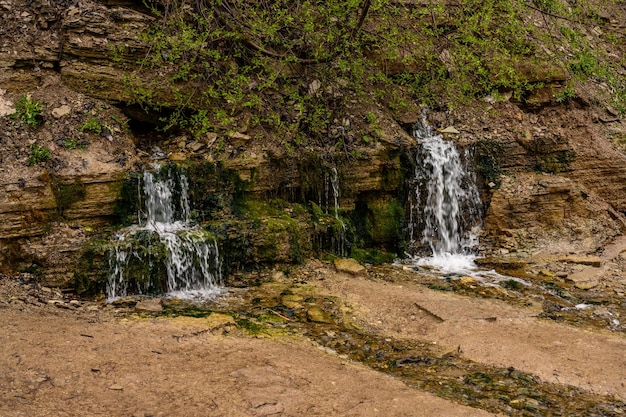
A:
<point x="450" y="129"/>
<point x="270" y="409"/>
<point x="239" y="139"/>
<point x="61" y="111"/>
<point x="314" y="87"/>
<point x="195" y="146"/>
<point x="177" y="157"/>
<point x="467" y="280"/>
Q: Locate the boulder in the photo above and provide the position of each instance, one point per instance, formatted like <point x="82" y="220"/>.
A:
<point x="586" y="279"/>
<point x="350" y="266"/>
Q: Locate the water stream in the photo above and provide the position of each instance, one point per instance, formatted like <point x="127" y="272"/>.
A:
<point x="445" y="211"/>
<point x="341" y="239"/>
<point x="445" y="207"/>
<point x="165" y="253"/>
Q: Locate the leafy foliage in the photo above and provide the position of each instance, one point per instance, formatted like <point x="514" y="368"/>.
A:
<point x="38" y="154"/>
<point x="28" y="111"/>
<point x="292" y="67"/>
<point x="92" y="125"/>
<point x="74" y="143"/>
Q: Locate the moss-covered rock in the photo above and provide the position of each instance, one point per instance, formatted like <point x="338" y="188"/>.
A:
<point x="379" y="222"/>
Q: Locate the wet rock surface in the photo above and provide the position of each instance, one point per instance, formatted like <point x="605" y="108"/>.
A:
<point x="349" y="266"/>
<point x="506" y="348"/>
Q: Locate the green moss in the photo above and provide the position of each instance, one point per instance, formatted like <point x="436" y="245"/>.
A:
<point x="379" y="222"/>
<point x="395" y="170"/>
<point x="215" y="191"/>
<point x="145" y="267"/>
<point x="282" y="239"/>
<point x="175" y="308"/>
<point x="248" y="245"/>
<point x="511" y="284"/>
<point x="372" y="256"/>
<point x="128" y="203"/>
<point x="249" y="326"/>
<point x="66" y="195"/>
<point x="257" y="209"/>
<point x="313" y="175"/>
<point x="555" y="162"/>
<point x="91" y="271"/>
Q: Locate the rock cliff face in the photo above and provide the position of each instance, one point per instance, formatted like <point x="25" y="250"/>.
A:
<point x="75" y="186"/>
<point x="556" y="178"/>
<point x="552" y="175"/>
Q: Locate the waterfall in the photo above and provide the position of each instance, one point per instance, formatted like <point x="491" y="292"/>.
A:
<point x="165" y="253"/>
<point x="445" y="205"/>
<point x="334" y="182"/>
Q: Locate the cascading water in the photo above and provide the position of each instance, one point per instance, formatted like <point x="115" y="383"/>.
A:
<point x="334" y="182"/>
<point x="329" y="200"/>
<point x="446" y="204"/>
<point x="165" y="244"/>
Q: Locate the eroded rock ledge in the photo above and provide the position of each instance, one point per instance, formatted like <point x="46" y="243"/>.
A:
<point x="553" y="177"/>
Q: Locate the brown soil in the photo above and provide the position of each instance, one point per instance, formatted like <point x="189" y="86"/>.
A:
<point x="85" y="362"/>
<point x="64" y="357"/>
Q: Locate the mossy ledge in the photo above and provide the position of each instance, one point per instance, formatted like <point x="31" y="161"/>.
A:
<point x="258" y="224"/>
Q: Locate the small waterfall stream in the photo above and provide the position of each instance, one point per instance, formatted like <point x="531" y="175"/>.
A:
<point x="165" y="243"/>
<point x="446" y="204"/>
<point x="334" y="182"/>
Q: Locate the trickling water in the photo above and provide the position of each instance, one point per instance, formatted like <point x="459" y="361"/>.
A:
<point x="334" y="182"/>
<point x="167" y="201"/>
<point x="446" y="204"/>
<point x="192" y="264"/>
<point x="116" y="284"/>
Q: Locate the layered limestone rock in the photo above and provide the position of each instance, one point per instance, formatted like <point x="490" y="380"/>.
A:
<point x="44" y="222"/>
<point x="59" y="180"/>
<point x="549" y="214"/>
<point x="551" y="177"/>
<point x="100" y="47"/>
<point x="554" y="180"/>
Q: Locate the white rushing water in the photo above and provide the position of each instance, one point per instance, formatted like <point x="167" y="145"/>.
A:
<point x="445" y="205"/>
<point x="192" y="260"/>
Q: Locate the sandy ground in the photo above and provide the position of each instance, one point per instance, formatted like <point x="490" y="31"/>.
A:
<point x="55" y="365"/>
<point x="86" y="361"/>
<point x="491" y="332"/>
